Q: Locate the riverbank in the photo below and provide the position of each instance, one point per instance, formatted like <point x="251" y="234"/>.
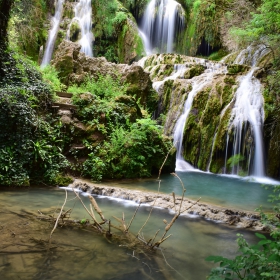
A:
<point x="234" y="217"/>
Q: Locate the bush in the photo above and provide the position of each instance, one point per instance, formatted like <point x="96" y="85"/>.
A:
<point x="130" y="153"/>
<point x="30" y="146"/>
<point x="105" y="87"/>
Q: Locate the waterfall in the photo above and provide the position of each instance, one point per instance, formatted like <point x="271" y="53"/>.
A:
<point x="161" y="20"/>
<point x="53" y="33"/>
<point x="248" y="116"/>
<point x="198" y="83"/>
<point x="83" y="14"/>
<point x="248" y="110"/>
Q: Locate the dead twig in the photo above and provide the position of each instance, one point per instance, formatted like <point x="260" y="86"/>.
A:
<point x="58" y="217"/>
<point x="98" y="226"/>
<point x="133" y="217"/>
<point x="96" y="207"/>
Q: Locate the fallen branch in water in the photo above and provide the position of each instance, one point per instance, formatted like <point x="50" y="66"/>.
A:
<point x="58" y="217"/>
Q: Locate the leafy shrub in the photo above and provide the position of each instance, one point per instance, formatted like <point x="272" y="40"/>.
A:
<point x="104" y="87"/>
<point x="129" y="153"/>
<point x="50" y="76"/>
<point x="31" y="149"/>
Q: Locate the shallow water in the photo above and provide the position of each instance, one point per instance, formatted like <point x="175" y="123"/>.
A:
<point x="90" y="256"/>
<point x="225" y="191"/>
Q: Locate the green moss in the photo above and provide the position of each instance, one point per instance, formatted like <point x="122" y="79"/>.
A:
<point x="237" y="68"/>
<point x="62" y="180"/>
<point x="195" y="70"/>
<point x="75" y="31"/>
<point x="230" y="80"/>
<point x="167" y="95"/>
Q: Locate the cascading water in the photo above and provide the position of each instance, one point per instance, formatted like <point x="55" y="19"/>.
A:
<point x="244" y="111"/>
<point x="248" y="117"/>
<point x="179" y="70"/>
<point x="161" y="20"/>
<point x="248" y="109"/>
<point x="197" y="85"/>
<point x="83" y="14"/>
<point x="53" y="33"/>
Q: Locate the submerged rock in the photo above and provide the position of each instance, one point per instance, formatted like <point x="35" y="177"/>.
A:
<point x="242" y="219"/>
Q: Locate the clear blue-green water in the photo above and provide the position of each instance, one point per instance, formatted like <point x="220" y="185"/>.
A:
<point x="232" y="192"/>
<point x="91" y="256"/>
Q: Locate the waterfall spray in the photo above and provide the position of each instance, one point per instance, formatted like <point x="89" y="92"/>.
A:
<point x="53" y="33"/>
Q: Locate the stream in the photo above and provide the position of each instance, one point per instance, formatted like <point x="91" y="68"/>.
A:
<point x="83" y="254"/>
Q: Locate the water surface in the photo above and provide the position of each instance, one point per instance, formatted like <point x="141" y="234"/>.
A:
<point x="220" y="190"/>
<point x="90" y="256"/>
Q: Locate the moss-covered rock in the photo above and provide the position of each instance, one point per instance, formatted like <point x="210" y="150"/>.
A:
<point x="75" y="31"/>
<point x="237" y="68"/>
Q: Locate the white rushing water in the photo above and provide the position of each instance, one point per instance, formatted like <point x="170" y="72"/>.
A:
<point x="248" y="108"/>
<point x="248" y="113"/>
<point x="159" y="24"/>
<point x="83" y="15"/>
<point x="198" y="83"/>
<point x="53" y="33"/>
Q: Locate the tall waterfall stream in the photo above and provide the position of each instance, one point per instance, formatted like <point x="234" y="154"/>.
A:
<point x="53" y="33"/>
<point x="161" y="20"/>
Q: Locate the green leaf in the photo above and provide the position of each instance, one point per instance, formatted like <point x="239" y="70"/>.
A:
<point x="214" y="259"/>
<point x="259" y="235"/>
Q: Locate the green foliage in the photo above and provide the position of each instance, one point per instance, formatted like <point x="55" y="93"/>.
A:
<point x="26" y="27"/>
<point x="105" y="12"/>
<point x="29" y="144"/>
<point x="235" y="160"/>
<point x="120" y="18"/>
<point x="129" y="153"/>
<point x="50" y="76"/>
<point x="104" y="87"/>
<point x="260" y="261"/>
<point x="264" y="25"/>
<point x="218" y="55"/>
<point x="94" y="167"/>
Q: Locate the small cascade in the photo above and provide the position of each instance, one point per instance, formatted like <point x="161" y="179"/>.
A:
<point x="161" y="21"/>
<point x="179" y="70"/>
<point x="247" y="116"/>
<point x="198" y="83"/>
<point x="53" y="33"/>
<point x="83" y="14"/>
<point x="252" y="55"/>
